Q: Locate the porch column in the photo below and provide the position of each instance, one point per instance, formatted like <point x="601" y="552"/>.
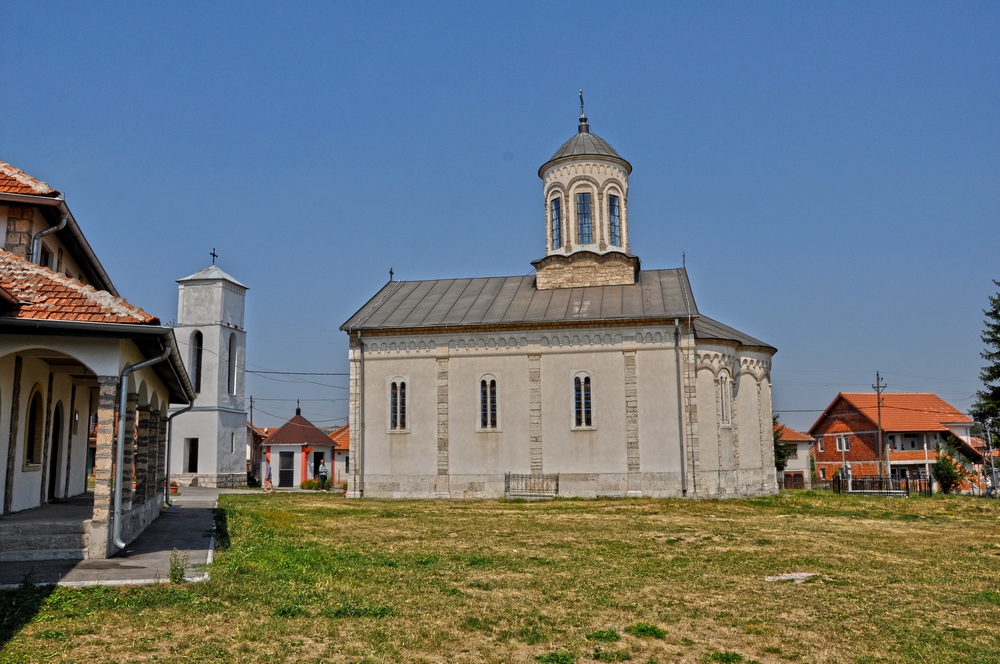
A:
<point x="15" y="409"/>
<point x="158" y="428"/>
<point x="100" y="526"/>
<point x="128" y="458"/>
<point x="142" y="443"/>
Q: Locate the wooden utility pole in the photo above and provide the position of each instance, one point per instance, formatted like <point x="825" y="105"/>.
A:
<point x="879" y="387"/>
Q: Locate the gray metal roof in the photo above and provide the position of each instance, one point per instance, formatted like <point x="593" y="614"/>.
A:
<point x="706" y="328"/>
<point x="585" y="143"/>
<point x="211" y="273"/>
<point x="506" y="300"/>
<point x="656" y="294"/>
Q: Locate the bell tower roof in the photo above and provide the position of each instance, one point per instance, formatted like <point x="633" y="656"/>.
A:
<point x="211" y="273"/>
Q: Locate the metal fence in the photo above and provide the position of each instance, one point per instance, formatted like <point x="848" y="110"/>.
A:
<point x="880" y="485"/>
<point x="534" y="485"/>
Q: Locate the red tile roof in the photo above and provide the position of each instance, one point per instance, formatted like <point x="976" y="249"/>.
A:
<point x="15" y="181"/>
<point x="44" y="294"/>
<point x="342" y="437"/>
<point x="790" y="435"/>
<point x="906" y="412"/>
<point x="297" y="431"/>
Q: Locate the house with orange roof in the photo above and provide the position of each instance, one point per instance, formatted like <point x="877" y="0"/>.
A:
<point x="341" y="454"/>
<point x="75" y="358"/>
<point x="797" y="473"/>
<point x="913" y="427"/>
<point x="295" y="450"/>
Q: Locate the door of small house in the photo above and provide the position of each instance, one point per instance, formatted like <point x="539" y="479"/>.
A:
<point x="286" y="465"/>
<point x="317" y="460"/>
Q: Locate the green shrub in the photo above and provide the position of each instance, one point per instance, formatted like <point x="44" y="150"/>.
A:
<point x="727" y="657"/>
<point x="178" y="565"/>
<point x="611" y="656"/>
<point x="605" y="636"/>
<point x="557" y="657"/>
<point x="310" y="485"/>
<point x="640" y="630"/>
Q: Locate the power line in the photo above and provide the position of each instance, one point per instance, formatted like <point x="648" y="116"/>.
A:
<point x="297" y="373"/>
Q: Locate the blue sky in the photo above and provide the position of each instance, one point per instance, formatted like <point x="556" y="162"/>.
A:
<point x="830" y="169"/>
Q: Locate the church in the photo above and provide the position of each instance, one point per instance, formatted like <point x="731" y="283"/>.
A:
<point x="589" y="377"/>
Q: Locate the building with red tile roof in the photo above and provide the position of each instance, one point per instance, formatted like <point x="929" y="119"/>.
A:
<point x="797" y="473"/>
<point x="913" y="426"/>
<point x="297" y="448"/>
<point x="72" y="350"/>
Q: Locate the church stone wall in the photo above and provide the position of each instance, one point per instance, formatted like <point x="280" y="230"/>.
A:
<point x="633" y="448"/>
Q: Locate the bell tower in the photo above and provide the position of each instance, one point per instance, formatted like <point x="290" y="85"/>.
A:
<point x="208" y="443"/>
<point x="585" y="185"/>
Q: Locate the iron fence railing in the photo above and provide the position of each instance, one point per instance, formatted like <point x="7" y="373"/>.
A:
<point x="533" y="485"/>
<point x="880" y="485"/>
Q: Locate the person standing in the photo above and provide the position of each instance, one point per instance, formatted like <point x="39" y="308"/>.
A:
<point x="268" y="484"/>
<point x="323" y="475"/>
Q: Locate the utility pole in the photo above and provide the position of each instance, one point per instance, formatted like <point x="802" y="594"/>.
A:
<point x="989" y="451"/>
<point x="879" y="387"/>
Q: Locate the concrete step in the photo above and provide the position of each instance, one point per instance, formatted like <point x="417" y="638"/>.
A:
<point x="43" y="554"/>
<point x="30" y="542"/>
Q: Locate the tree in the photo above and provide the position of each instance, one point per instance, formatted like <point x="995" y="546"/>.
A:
<point x="948" y="472"/>
<point x="988" y="399"/>
<point x="781" y="451"/>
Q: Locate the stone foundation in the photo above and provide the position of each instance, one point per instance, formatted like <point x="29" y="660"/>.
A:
<point x="751" y="482"/>
<point x="221" y="481"/>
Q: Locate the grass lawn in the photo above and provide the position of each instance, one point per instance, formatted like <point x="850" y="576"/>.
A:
<point x="315" y="578"/>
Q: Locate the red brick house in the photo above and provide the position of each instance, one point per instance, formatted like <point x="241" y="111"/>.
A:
<point x="913" y="425"/>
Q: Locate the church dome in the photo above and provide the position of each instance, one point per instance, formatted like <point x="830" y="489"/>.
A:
<point x="585" y="144"/>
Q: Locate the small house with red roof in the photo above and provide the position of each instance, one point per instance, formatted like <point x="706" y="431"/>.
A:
<point x="85" y="383"/>
<point x="797" y="473"/>
<point x="341" y="454"/>
<point x="912" y="425"/>
<point x="295" y="450"/>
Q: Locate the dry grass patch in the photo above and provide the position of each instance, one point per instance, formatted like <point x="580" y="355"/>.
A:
<point x="310" y="578"/>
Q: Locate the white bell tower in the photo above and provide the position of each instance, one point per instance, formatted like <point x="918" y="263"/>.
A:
<point x="208" y="443"/>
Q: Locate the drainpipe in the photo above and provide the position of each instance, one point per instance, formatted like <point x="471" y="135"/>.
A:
<point x="166" y="464"/>
<point x="120" y="457"/>
<point x="36" y="240"/>
<point x="680" y="403"/>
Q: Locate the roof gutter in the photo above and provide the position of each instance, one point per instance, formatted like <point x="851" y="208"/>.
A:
<point x="36" y="241"/>
<point x="59" y="203"/>
<point x="120" y="456"/>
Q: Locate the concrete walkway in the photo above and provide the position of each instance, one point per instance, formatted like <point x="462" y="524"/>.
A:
<point x="186" y="526"/>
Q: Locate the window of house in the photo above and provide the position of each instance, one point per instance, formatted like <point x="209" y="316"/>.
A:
<point x="45" y="257"/>
<point x="397" y="405"/>
<point x="347" y="464"/>
<point x="582" y="406"/>
<point x="556" y="224"/>
<point x="34" y="430"/>
<point x="488" y="406"/>
<point x="583" y="221"/>
<point x="197" y="350"/>
<point x="726" y="399"/>
<point x="59" y="261"/>
<point x="822" y="473"/>
<point x="232" y="363"/>
<point x="819" y="443"/>
<point x="616" y="223"/>
<point x="843" y="444"/>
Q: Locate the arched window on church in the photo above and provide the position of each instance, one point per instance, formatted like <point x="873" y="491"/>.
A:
<point x="197" y="351"/>
<point x="585" y="228"/>
<point x="488" y="406"/>
<point x="726" y="400"/>
<point x="232" y="363"/>
<point x="614" y="214"/>
<point x="397" y="405"/>
<point x="556" y="224"/>
<point x="34" y="430"/>
<point x="582" y="406"/>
